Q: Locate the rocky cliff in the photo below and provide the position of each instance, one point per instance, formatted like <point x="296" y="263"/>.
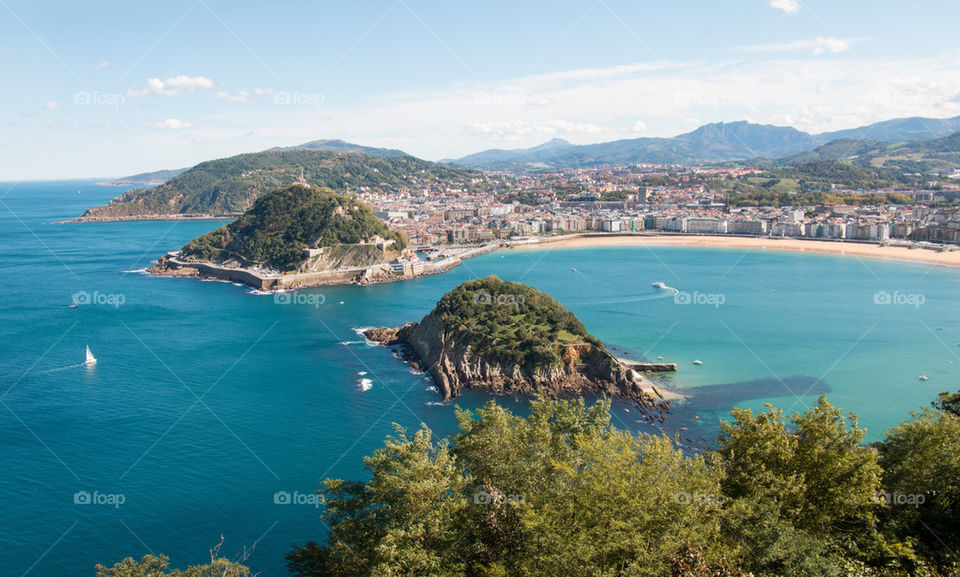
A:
<point x="456" y="362"/>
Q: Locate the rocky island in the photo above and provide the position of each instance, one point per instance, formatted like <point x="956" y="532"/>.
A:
<point x="506" y="337"/>
<point x="300" y="236"/>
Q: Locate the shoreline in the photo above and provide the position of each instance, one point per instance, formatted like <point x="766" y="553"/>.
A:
<point x="170" y="265"/>
<point x="857" y="249"/>
<point x="148" y="217"/>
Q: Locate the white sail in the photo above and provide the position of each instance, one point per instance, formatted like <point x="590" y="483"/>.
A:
<point x="90" y="358"/>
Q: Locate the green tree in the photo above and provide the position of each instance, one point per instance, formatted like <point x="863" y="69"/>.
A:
<point x="808" y="482"/>
<point x="404" y="521"/>
<point x="921" y="460"/>
<point x="156" y="566"/>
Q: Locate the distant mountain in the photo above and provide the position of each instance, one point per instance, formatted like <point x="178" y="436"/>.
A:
<point x="937" y="155"/>
<point x="342" y="146"/>
<point x="229" y="186"/>
<point x="719" y="142"/>
<point x="899" y="129"/>
<point x="145" y="178"/>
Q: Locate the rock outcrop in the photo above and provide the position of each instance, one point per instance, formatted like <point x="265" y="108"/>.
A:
<point x="454" y="366"/>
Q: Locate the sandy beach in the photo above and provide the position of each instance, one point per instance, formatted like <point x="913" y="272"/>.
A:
<point x="854" y="249"/>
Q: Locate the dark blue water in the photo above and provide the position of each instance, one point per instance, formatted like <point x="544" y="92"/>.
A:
<point x="206" y="401"/>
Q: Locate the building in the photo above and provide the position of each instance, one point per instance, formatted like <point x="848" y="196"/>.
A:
<point x="747" y="226"/>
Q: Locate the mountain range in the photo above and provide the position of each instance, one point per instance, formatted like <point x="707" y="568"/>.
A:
<point x="711" y="143"/>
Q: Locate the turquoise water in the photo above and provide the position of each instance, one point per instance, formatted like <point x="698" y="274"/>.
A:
<point x="206" y="400"/>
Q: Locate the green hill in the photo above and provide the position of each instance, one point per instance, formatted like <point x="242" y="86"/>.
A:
<point x="229" y="186"/>
<point x="914" y="156"/>
<point x="284" y="222"/>
<point x="510" y="322"/>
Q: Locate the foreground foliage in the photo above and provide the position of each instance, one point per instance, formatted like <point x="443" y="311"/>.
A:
<point x="156" y="566"/>
<point x="562" y="492"/>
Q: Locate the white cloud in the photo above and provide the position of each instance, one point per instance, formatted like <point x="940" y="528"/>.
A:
<point x="172" y="86"/>
<point x="788" y="6"/>
<point x="639" y="126"/>
<point x="103" y="64"/>
<point x="51" y="105"/>
<point x="172" y="123"/>
<point x="818" y="45"/>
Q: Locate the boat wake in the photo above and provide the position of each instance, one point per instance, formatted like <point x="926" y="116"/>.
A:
<point x="366" y="384"/>
<point x="664" y="292"/>
<point x="59" y="369"/>
<point x="137" y="271"/>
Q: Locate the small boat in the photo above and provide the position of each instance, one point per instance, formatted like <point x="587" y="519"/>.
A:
<point x="924" y="378"/>
<point x="573" y="269"/>
<point x="72" y="305"/>
<point x="660" y="285"/>
<point x="698" y="362"/>
<point x="659" y="357"/>
<point x="90" y="359"/>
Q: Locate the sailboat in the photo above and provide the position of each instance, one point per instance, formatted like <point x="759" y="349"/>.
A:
<point x="90" y="359"/>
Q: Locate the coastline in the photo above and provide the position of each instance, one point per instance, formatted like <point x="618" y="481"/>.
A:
<point x="149" y="217"/>
<point x="949" y="258"/>
<point x="170" y="265"/>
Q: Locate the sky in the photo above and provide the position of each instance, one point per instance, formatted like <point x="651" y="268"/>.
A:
<point x="105" y="88"/>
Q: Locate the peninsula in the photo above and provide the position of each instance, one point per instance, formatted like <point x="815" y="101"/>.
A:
<point x="510" y="338"/>
<point x="301" y="236"/>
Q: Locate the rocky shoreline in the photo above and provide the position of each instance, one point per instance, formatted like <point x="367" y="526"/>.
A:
<point x="586" y="369"/>
<point x="172" y="265"/>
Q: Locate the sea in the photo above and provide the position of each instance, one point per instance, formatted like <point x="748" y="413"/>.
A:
<point x="214" y="413"/>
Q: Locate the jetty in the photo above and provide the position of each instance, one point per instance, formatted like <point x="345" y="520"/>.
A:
<point x="648" y="367"/>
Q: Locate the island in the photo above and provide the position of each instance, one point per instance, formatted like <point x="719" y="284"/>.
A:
<point x="509" y="338"/>
<point x="302" y="236"/>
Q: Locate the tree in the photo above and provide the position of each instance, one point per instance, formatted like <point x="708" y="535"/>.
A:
<point x="156" y="566"/>
<point x="810" y="482"/>
<point x="921" y="460"/>
<point x="404" y="521"/>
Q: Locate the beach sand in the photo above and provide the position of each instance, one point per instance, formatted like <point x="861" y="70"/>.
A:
<point x="854" y="249"/>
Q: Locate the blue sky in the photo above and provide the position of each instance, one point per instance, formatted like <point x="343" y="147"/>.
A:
<point x="113" y="88"/>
